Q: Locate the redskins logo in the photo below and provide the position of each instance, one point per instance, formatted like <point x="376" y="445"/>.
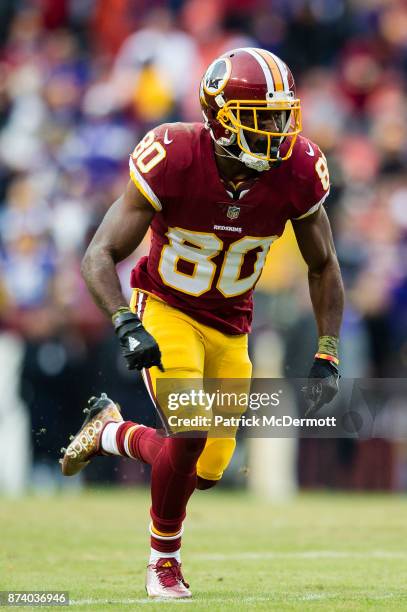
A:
<point x="217" y="76"/>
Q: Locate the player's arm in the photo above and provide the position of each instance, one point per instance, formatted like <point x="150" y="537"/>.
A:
<point x="314" y="238"/>
<point x="121" y="231"/>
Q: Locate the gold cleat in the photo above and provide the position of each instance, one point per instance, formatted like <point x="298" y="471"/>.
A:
<point x="86" y="444"/>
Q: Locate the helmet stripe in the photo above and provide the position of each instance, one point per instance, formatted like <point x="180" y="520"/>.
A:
<point x="283" y="70"/>
<point x="263" y="64"/>
<point x="274" y="69"/>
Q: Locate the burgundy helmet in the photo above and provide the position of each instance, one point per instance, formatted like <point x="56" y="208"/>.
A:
<point x="248" y="92"/>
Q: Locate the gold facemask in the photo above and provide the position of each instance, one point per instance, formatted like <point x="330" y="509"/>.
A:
<point x="230" y="116"/>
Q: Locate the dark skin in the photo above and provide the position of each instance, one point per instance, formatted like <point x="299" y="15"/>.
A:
<point x="314" y="239"/>
<point x="121" y="231"/>
<point x="128" y="219"/>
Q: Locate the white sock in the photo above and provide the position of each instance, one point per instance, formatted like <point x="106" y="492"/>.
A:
<point x="155" y="555"/>
<point x="108" y="442"/>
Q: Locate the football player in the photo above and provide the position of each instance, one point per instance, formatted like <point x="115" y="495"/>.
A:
<point x="216" y="195"/>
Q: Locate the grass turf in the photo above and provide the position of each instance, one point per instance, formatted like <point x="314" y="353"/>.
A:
<point x="319" y="552"/>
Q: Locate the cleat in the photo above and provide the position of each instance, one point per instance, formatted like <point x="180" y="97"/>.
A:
<point x="86" y="410"/>
<point x="165" y="580"/>
<point x="63" y="450"/>
<point x="71" y="438"/>
<point x="86" y="443"/>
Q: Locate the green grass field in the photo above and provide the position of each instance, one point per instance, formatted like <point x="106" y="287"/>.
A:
<point x="320" y="552"/>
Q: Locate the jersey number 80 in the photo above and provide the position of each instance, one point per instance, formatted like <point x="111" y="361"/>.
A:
<point x="200" y="251"/>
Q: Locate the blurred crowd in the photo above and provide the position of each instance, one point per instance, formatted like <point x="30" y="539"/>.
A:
<point x="82" y="80"/>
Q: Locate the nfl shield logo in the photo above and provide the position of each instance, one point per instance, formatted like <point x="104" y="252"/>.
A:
<point x="233" y="212"/>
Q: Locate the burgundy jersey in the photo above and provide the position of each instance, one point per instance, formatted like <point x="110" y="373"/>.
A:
<point x="208" y="249"/>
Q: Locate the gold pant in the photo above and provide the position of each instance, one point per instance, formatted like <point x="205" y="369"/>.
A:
<point x="192" y="351"/>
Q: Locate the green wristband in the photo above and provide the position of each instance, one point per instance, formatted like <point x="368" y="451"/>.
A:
<point x="328" y="345"/>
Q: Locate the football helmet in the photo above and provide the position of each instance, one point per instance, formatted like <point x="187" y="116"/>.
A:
<point x="250" y="107"/>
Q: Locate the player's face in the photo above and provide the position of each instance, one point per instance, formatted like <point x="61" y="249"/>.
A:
<point x="267" y="121"/>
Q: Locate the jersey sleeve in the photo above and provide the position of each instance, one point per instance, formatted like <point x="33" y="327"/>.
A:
<point x="148" y="167"/>
<point x="157" y="163"/>
<point x="310" y="180"/>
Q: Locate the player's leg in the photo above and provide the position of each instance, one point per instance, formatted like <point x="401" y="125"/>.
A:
<point x="173" y="482"/>
<point x="173" y="459"/>
<point x="173" y="478"/>
<point x="227" y="360"/>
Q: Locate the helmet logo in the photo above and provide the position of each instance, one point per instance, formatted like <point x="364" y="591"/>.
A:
<point x="217" y="76"/>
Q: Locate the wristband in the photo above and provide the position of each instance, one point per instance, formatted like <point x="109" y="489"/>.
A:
<point x="328" y="345"/>
<point x="120" y="311"/>
<point x="328" y="349"/>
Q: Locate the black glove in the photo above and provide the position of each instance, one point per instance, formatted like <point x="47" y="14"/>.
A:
<point x="138" y="347"/>
<point x="323" y="385"/>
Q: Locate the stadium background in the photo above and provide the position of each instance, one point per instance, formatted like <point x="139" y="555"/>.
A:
<point x="81" y="81"/>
